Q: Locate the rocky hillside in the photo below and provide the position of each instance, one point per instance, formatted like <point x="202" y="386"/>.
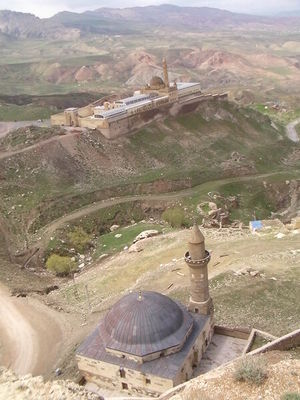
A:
<point x="281" y="379"/>
<point x="57" y="173"/>
<point x="34" y="388"/>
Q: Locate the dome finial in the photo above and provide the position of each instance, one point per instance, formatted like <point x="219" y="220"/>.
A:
<point x="140" y="297"/>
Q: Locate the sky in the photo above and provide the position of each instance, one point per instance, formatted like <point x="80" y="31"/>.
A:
<point x="48" y="8"/>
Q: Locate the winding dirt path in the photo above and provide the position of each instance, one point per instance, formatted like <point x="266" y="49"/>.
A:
<point x="61" y="138"/>
<point x="30" y="335"/>
<point x="6" y="127"/>
<point x="45" y="233"/>
<point x="291" y="131"/>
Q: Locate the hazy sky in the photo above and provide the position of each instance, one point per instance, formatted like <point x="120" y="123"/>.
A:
<point x="44" y="8"/>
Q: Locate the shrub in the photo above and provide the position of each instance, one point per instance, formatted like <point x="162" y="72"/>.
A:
<point x="79" y="239"/>
<point x="175" y="217"/>
<point x="59" y="265"/>
<point x="251" y="370"/>
<point x="291" y="396"/>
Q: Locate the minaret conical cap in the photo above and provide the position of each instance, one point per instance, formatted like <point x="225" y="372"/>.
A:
<point x="196" y="236"/>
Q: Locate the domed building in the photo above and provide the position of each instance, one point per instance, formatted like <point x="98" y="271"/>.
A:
<point x="148" y="343"/>
<point x="157" y="83"/>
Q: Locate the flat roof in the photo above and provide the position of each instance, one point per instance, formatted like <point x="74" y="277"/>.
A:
<point x="185" y="85"/>
<point x="135" y="97"/>
<point x="110" y="113"/>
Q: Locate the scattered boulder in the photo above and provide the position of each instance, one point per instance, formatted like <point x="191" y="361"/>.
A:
<point x="113" y="228"/>
<point x="145" y="235"/>
<point x="135" y="248"/>
<point x="118" y="235"/>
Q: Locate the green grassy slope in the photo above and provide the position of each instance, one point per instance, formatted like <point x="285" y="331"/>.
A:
<point x="217" y="141"/>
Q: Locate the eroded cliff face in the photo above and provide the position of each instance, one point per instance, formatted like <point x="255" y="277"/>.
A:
<point x="34" y="388"/>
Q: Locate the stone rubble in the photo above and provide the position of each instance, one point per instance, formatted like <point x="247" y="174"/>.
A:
<point x="34" y="388"/>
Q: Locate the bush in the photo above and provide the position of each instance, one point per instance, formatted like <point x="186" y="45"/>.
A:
<point x="79" y="239"/>
<point x="251" y="370"/>
<point x="175" y="217"/>
<point x="59" y="265"/>
<point x="291" y="396"/>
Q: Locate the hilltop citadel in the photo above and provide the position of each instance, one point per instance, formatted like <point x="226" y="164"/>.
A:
<point x="122" y="116"/>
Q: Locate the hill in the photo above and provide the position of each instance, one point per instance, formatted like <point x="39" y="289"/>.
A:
<point x="58" y="173"/>
<point x="198" y="18"/>
<point x="23" y="26"/>
<point x="69" y="25"/>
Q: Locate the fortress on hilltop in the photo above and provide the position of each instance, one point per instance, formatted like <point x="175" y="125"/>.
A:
<point x="148" y="343"/>
<point x="122" y="116"/>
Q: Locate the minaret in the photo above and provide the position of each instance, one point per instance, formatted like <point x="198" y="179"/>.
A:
<point x="166" y="74"/>
<point x="197" y="259"/>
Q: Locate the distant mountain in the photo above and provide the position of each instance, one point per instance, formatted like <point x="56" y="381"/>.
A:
<point x="66" y="25"/>
<point x="169" y="16"/>
<point x="22" y="26"/>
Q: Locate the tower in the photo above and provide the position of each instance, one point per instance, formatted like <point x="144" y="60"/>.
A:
<point x="197" y="259"/>
<point x="166" y="74"/>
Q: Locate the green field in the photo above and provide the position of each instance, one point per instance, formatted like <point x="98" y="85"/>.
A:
<point x="24" y="113"/>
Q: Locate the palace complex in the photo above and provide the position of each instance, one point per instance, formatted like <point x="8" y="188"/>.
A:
<point x="148" y="343"/>
<point x="120" y="117"/>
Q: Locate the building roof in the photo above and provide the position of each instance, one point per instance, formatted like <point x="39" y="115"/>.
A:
<point x="196" y="236"/>
<point x="186" y="85"/>
<point x="147" y="323"/>
<point x="133" y="99"/>
<point x="94" y="347"/>
<point x="156" y="81"/>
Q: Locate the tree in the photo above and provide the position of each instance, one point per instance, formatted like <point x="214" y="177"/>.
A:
<point x="175" y="217"/>
<point x="59" y="265"/>
<point x="79" y="239"/>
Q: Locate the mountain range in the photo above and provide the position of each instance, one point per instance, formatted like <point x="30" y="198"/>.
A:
<point x="66" y="25"/>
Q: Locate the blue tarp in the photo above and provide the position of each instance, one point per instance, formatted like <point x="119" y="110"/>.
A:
<point x="256" y="225"/>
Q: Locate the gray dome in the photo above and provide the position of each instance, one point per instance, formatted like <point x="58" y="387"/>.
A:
<point x="146" y="323"/>
<point x="156" y="81"/>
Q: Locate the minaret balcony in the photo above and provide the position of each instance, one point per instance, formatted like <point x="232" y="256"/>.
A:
<point x="204" y="261"/>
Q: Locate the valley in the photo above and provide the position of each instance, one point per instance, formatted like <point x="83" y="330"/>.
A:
<point x="73" y="203"/>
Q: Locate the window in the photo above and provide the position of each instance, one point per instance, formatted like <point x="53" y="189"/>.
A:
<point x="124" y="386"/>
<point x="122" y="373"/>
<point x="148" y="381"/>
<point x="196" y="310"/>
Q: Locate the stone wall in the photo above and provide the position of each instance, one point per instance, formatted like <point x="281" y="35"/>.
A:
<point x="135" y="382"/>
<point x="108" y="375"/>
<point x="239" y="333"/>
<point x="196" y="353"/>
<point x="287" y="342"/>
<point x="58" y="119"/>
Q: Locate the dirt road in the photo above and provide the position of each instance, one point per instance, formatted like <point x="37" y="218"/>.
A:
<point x="6" y="127"/>
<point x="60" y="138"/>
<point x="30" y="335"/>
<point x="45" y="233"/>
<point x="291" y="131"/>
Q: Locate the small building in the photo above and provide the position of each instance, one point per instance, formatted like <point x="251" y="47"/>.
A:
<point x="148" y="343"/>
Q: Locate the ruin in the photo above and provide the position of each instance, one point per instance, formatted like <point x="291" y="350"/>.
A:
<point x="148" y="343"/>
<point x="122" y="116"/>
